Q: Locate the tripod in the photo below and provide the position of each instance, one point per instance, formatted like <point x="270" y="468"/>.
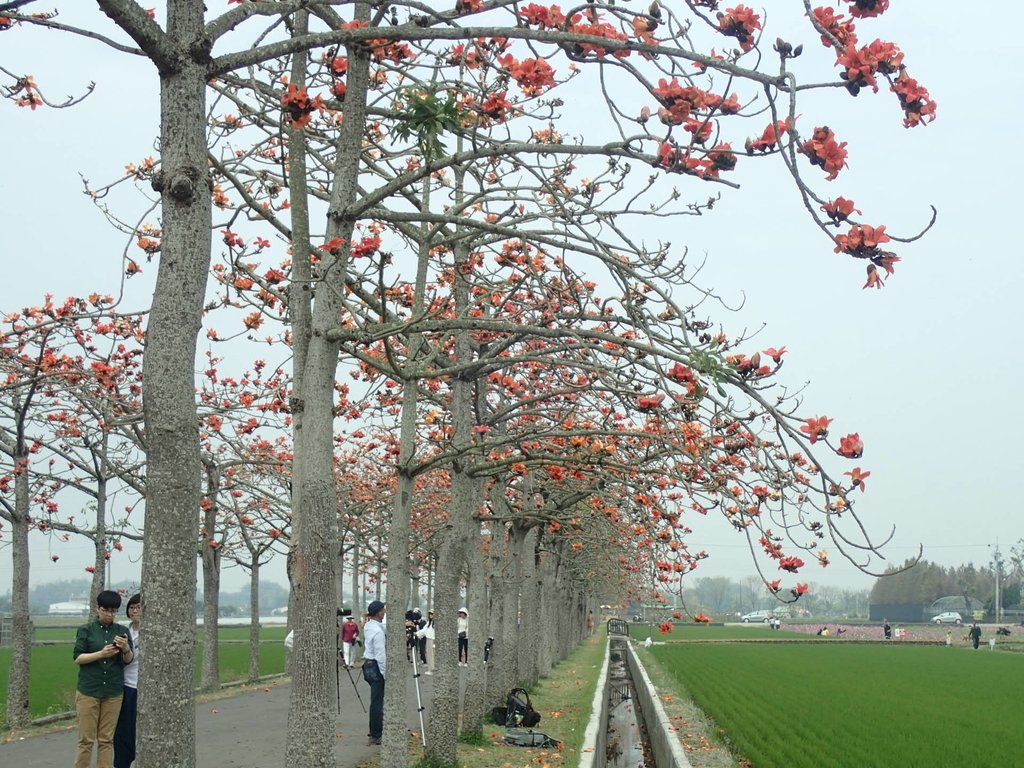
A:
<point x="419" y="701"/>
<point x="338" y="659"/>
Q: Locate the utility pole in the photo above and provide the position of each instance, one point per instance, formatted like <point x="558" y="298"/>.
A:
<point x="998" y="560"/>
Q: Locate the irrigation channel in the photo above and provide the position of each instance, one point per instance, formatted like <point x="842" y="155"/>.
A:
<point x="629" y="727"/>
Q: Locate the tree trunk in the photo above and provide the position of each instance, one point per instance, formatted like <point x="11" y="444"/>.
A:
<point x="166" y="734"/>
<point x="21" y="642"/>
<point x="467" y="495"/>
<point x="254" y="620"/>
<point x="475" y="703"/>
<point x="101" y="563"/>
<point x="210" y="553"/>
<point x="529" y="631"/>
<point x="311" y="710"/>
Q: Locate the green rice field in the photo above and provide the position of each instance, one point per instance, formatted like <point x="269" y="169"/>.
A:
<point x="797" y="705"/>
<point x="54" y="674"/>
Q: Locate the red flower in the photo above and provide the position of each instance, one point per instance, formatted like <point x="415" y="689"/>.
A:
<point x="800" y="589"/>
<point x="769" y="138"/>
<point x="775" y="354"/>
<point x="232" y="240"/>
<point x="299" y="106"/>
<point x="843" y="31"/>
<point x="90" y="569"/>
<point x="496" y="107"/>
<point x="918" y="107"/>
<point x="823" y="150"/>
<point x="649" y="402"/>
<point x="791" y="564"/>
<point x="862" y="241"/>
<point x="857" y="477"/>
<point x="665" y="627"/>
<point x="740" y="22"/>
<point x="851" y="446"/>
<point x="839" y="209"/>
<point x="775" y="585"/>
<point x="816" y="428"/>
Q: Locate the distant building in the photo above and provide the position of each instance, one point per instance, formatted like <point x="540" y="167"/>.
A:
<point x="69" y="609"/>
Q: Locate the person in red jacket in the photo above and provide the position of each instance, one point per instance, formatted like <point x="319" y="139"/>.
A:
<point x="349" y="633"/>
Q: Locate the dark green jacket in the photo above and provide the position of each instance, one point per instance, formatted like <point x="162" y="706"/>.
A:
<point x="105" y="677"/>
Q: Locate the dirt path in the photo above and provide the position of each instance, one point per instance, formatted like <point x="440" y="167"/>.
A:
<point x="246" y="730"/>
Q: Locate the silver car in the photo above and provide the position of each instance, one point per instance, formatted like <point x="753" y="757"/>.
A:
<point x="949" y="617"/>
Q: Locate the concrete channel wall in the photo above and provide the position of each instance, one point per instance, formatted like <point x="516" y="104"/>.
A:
<point x="665" y="744"/>
<point x="664" y="741"/>
<point x="595" y="738"/>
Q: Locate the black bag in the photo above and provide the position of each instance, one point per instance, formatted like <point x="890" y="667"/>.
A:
<point x="371" y="672"/>
<point x="521" y="737"/>
<point x="519" y="712"/>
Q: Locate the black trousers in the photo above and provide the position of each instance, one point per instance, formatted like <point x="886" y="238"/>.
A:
<point x="124" y="733"/>
<point x="376" y="709"/>
<point x="464" y="649"/>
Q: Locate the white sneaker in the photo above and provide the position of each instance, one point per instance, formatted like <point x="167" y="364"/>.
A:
<point x="428" y="672"/>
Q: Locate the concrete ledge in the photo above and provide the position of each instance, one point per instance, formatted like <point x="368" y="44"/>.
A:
<point x="665" y="744"/>
<point x="595" y="738"/>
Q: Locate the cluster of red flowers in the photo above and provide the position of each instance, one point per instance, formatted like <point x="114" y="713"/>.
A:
<point x="533" y="76"/>
<point x="918" y="106"/>
<point x="740" y="22"/>
<point x="299" y="107"/>
<point x="860" y="65"/>
<point x="596" y="28"/>
<point x="823" y="150"/>
<point x="677" y="160"/>
<point x="862" y="241"/>
<point x="791" y="564"/>
<point x="680" y="102"/>
<point x="550" y="17"/>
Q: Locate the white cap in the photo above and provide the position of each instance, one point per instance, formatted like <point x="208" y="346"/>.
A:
<point x="463" y="610"/>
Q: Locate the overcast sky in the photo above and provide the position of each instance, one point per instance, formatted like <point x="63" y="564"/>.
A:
<point x="925" y="370"/>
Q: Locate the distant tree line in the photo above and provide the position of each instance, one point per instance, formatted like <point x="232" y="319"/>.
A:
<point x="721" y="596"/>
<point x="41" y="596"/>
<point x="925" y="582"/>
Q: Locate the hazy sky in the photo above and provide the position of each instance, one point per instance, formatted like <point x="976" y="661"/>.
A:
<point x="925" y="369"/>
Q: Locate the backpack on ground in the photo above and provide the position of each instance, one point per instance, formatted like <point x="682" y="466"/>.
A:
<point x="519" y="710"/>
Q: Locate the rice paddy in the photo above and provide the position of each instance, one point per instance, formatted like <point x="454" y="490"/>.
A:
<point x="855" y="704"/>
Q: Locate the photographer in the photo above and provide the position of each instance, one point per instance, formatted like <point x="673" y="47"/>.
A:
<point x="374" y="666"/>
<point x="349" y="632"/>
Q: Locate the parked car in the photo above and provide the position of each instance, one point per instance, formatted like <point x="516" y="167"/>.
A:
<point x="762" y="616"/>
<point x="949" y="617"/>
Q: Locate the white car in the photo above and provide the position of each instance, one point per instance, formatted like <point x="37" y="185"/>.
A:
<point x="949" y="617"/>
<point x="761" y="616"/>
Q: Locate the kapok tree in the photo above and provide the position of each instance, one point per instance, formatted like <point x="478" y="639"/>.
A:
<point x="692" y="138"/>
<point x="64" y="388"/>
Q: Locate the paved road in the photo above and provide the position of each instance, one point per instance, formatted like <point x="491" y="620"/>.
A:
<point x="246" y="730"/>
